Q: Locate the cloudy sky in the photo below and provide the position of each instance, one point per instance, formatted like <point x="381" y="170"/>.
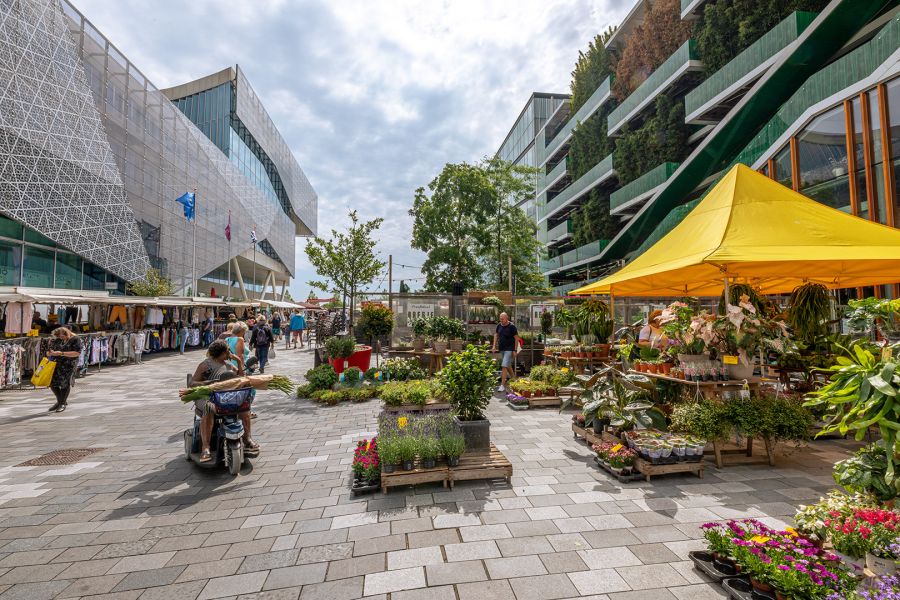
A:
<point x="373" y="96"/>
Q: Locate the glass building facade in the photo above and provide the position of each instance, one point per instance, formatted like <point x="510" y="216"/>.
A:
<point x="114" y="153"/>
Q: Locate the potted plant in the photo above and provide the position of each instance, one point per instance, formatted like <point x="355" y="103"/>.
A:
<point x="429" y="450"/>
<point x="338" y="350"/>
<point x="683" y="327"/>
<point x="453" y="445"/>
<point x="366" y="466"/>
<point x="456" y="331"/>
<point x="621" y="460"/>
<point x="742" y="332"/>
<point x="406" y="449"/>
<point x="468" y="381"/>
<point x="420" y="332"/>
<point x="389" y="452"/>
<point x="592" y="324"/>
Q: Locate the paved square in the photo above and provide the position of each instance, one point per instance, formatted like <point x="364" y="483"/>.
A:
<point x="136" y="520"/>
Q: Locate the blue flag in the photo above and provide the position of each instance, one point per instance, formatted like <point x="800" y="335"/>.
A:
<point x="187" y="200"/>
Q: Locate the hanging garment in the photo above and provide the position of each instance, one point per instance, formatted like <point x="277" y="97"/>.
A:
<point x="18" y="317"/>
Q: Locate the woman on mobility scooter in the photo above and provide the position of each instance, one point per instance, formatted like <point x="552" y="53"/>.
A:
<point x="216" y="367"/>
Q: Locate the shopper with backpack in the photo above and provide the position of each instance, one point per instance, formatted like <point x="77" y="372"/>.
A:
<point x="261" y="339"/>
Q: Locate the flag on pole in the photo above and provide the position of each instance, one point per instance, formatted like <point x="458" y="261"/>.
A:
<point x="187" y="201"/>
<point x="253" y="239"/>
<point x="228" y="228"/>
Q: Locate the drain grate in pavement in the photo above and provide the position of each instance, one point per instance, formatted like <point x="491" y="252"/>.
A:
<point x="67" y="456"/>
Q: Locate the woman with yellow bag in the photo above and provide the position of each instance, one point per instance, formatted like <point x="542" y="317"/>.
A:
<point x="65" y="350"/>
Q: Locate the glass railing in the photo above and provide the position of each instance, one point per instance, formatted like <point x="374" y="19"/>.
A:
<point x="600" y="95"/>
<point x="557" y="232"/>
<point x="643" y="184"/>
<point x="744" y="63"/>
<point x="688" y="6"/>
<point x="601" y="171"/>
<point x="839" y="75"/>
<point x="553" y="175"/>
<point x="562" y="290"/>
<point x="551" y="264"/>
<point x="651" y="87"/>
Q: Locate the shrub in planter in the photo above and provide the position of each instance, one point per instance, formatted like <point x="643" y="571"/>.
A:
<point x="703" y="418"/>
<point x="351" y="376"/>
<point x="339" y="347"/>
<point x="322" y="377"/>
<point x="330" y="398"/>
<point x="389" y="451"/>
<point x="361" y="394"/>
<point x="407" y="449"/>
<point x="467" y="382"/>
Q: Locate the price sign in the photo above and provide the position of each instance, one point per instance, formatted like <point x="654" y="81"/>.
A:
<point x="617" y="447"/>
<point x="729" y="359"/>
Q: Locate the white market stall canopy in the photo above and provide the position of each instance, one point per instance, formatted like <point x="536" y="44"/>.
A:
<point x="55" y="296"/>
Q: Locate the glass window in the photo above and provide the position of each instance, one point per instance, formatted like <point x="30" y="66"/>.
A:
<point x="783" y="166"/>
<point x="822" y="154"/>
<point x="68" y="271"/>
<point x="877" y="154"/>
<point x="10" y="263"/>
<point x="861" y="187"/>
<point x="94" y="277"/>
<point x="36" y="238"/>
<point x="37" y="269"/>
<point x="10" y="229"/>
<point x="893" y="109"/>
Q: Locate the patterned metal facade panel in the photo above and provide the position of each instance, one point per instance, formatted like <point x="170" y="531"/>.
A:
<point x="253" y="115"/>
<point x="57" y="171"/>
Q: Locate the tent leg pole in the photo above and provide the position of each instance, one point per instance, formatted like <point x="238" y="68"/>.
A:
<point x="727" y="295"/>
<point x="612" y="309"/>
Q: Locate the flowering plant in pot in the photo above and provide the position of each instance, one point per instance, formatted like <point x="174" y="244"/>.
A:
<point x="683" y="326"/>
<point x="453" y="445"/>
<point x="467" y="382"/>
<point x="407" y="449"/>
<point x="621" y="459"/>
<point x="742" y="332"/>
<point x="516" y="399"/>
<point x="366" y="466"/>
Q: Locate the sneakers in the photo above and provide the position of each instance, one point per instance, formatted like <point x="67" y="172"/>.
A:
<point x="53" y="408"/>
<point x="501" y="389"/>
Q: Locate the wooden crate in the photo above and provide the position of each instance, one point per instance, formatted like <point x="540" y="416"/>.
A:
<point x="648" y="469"/>
<point x="483" y="464"/>
<point x="416" y="476"/>
<point x="540" y="401"/>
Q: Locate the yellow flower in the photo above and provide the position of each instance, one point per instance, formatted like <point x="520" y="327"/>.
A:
<point x="791" y="531"/>
<point x="377" y="374"/>
<point x="565" y="369"/>
<point x="368" y="445"/>
<point x="401" y="422"/>
<point x="759" y="539"/>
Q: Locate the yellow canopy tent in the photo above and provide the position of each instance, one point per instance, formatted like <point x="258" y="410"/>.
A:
<point x="752" y="229"/>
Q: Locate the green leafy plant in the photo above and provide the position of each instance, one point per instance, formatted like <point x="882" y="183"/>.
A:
<point x="428" y="447"/>
<point x="407" y="447"/>
<point x="865" y="472"/>
<point x="649" y="354"/>
<point x="592" y="322"/>
<point x="703" y="418"/>
<point x="862" y="393"/>
<point x="352" y="375"/>
<point x="468" y="381"/>
<point x="389" y="450"/>
<point x="322" y="377"/>
<point x="809" y="311"/>
<point x="453" y="445"/>
<point x="303" y="391"/>
<point x="339" y="347"/>
<point x="376" y="320"/>
<point x="682" y="325"/>
<point x="875" y="312"/>
<point x="403" y="369"/>
<point x="495" y="302"/>
<point x="153" y="284"/>
<point x="624" y="401"/>
<point x="547" y="322"/>
<point x="419" y="327"/>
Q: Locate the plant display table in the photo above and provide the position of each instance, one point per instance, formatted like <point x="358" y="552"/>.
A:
<point x="484" y="464"/>
<point x="720" y="451"/>
<point x="435" y="359"/>
<point x="710" y="389"/>
<point x="428" y="406"/>
<point x="592" y="438"/>
<point x="648" y="469"/>
<point x="543" y="401"/>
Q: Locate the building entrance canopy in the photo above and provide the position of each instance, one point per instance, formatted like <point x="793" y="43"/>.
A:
<point x="752" y="229"/>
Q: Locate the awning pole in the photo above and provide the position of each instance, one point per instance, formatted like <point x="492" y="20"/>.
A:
<point x="612" y="309"/>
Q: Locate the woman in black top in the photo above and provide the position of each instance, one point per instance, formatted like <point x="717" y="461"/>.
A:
<point x="65" y="349"/>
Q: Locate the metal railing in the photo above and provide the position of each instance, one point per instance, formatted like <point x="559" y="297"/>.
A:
<point x="600" y="172"/>
<point x="643" y="184"/>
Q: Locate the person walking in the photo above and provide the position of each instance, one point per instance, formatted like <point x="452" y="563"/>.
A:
<point x="261" y="339"/>
<point x="65" y="348"/>
<point x="277" y="319"/>
<point x="206" y="331"/>
<point x="298" y="324"/>
<point x="505" y="343"/>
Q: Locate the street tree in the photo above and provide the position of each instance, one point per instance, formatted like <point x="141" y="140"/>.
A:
<point x="347" y="262"/>
<point x="153" y="284"/>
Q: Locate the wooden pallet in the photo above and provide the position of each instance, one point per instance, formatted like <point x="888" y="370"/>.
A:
<point x="483" y="464"/>
<point x="648" y="469"/>
<point x="592" y="438"/>
<point x="542" y="401"/>
<point x="431" y="405"/>
<point x="440" y="473"/>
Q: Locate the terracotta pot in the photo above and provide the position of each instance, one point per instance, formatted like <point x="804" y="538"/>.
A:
<point x="526" y="394"/>
<point x="602" y="351"/>
<point x="652" y="368"/>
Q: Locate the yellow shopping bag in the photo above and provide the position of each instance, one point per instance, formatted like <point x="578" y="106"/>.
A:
<point x="44" y="373"/>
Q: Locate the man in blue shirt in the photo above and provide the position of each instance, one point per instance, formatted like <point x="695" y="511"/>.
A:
<point x="298" y="324"/>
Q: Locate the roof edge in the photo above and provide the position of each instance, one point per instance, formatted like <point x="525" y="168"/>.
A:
<point x="202" y="84"/>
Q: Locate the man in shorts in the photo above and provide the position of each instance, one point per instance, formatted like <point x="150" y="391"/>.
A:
<point x="505" y="343"/>
<point x="298" y="324"/>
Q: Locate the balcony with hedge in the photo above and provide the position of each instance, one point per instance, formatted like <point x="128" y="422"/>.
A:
<point x="628" y="198"/>
<point x="555" y="234"/>
<point x="600" y="173"/>
<point x="581" y="255"/>
<point x="683" y="65"/>
<point x="711" y="100"/>
<point x="554" y="178"/>
<point x="560" y="140"/>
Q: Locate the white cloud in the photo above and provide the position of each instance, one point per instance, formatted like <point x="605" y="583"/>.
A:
<point x="372" y="96"/>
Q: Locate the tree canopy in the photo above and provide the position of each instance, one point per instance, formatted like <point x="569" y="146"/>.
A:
<point x="347" y="261"/>
<point x="468" y="224"/>
<point x="152" y="285"/>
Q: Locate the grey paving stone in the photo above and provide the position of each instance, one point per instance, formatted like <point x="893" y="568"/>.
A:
<point x="543" y="587"/>
<point x="198" y="555"/>
<point x="325" y="553"/>
<point x="233" y="585"/>
<point x="294" y="576"/>
<point x="342" y="589"/>
<point x="209" y="570"/>
<point x="704" y="591"/>
<point x="484" y="532"/>
<point x="654" y="594"/>
<point x="486" y="590"/>
<point x="148" y="579"/>
<point x="361" y="565"/>
<point x="563" y="562"/>
<point x="35" y="591"/>
<point x="438" y="537"/>
<point x="455" y="572"/>
<point x="92" y="585"/>
<point x="519" y="566"/>
<point x="523" y="546"/>
<point x="471" y="551"/>
<point x="380" y="544"/>
<point x="653" y="553"/>
<point x="177" y="591"/>
<point x="418" y="557"/>
<point x="651" y="576"/>
<point x="608" y="558"/>
<point x="610" y="537"/>
<point x="394" y="581"/>
<point x="444" y="592"/>
<point x="32" y="574"/>
<point x="601" y="581"/>
<point x="270" y="560"/>
<point x="281" y="594"/>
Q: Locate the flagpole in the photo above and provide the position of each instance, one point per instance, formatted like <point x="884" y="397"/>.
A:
<point x="194" y="259"/>
<point x="228" y="292"/>
<point x="254" y="256"/>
